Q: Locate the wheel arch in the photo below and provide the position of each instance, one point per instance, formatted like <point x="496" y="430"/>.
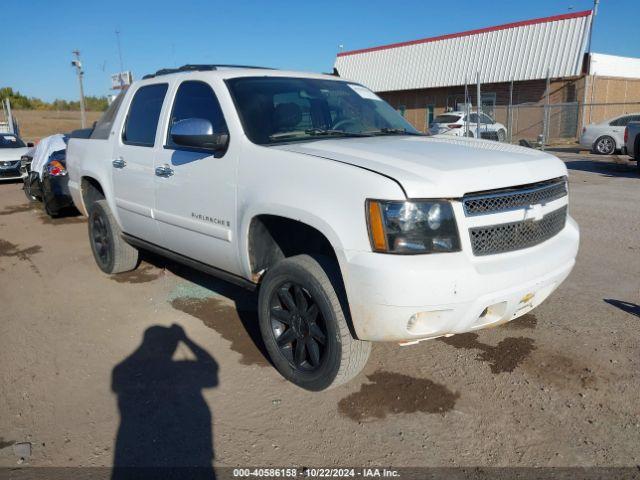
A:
<point x="270" y="234"/>
<point x="91" y="191"/>
<point x="272" y="237"/>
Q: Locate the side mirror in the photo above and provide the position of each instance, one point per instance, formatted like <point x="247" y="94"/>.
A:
<point x="29" y="144"/>
<point x="198" y="133"/>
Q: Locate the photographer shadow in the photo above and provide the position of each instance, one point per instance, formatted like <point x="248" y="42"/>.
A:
<point x="165" y="423"/>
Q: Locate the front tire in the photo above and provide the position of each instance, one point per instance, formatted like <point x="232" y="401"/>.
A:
<point x="502" y="136"/>
<point x="604" y="145"/>
<point x="303" y="324"/>
<point x="111" y="252"/>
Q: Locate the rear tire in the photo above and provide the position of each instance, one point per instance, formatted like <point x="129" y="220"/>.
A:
<point x="51" y="212"/>
<point x="111" y="252"/>
<point x="26" y="187"/>
<point x="303" y="324"/>
<point x="502" y="136"/>
<point x="604" y="145"/>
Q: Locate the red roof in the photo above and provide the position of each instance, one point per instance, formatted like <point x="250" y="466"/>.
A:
<point x="523" y="23"/>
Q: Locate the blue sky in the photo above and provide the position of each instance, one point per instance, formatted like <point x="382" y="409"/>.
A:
<point x="299" y="35"/>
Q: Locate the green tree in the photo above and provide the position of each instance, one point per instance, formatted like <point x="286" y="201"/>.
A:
<point x="22" y="102"/>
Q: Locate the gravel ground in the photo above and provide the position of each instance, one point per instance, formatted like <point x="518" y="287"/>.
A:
<point x="81" y="382"/>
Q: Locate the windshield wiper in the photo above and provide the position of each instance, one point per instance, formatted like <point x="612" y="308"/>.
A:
<point x="395" y="131"/>
<point x="328" y="131"/>
<point x="315" y="132"/>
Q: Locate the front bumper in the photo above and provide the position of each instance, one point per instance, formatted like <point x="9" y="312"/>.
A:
<point x="10" y="171"/>
<point x="409" y="298"/>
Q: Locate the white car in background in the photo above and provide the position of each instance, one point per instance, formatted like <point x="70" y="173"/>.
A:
<point x="12" y="148"/>
<point x="607" y="137"/>
<point x="453" y="123"/>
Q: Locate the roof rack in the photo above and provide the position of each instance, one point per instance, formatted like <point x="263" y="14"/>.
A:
<point x="198" y="68"/>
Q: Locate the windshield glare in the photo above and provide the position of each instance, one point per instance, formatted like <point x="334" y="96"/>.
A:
<point x="10" y="141"/>
<point x="280" y="109"/>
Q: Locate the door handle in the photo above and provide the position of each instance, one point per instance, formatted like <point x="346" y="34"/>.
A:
<point x="119" y="163"/>
<point x="164" y="171"/>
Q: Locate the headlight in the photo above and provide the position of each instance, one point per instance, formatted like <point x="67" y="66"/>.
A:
<point x="412" y="227"/>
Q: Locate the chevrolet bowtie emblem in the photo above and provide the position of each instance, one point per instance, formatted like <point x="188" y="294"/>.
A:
<point x="533" y="212"/>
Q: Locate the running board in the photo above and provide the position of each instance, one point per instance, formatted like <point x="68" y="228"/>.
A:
<point x="190" y="262"/>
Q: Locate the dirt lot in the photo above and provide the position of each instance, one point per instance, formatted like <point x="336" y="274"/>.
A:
<point x="558" y="387"/>
<point x="36" y="124"/>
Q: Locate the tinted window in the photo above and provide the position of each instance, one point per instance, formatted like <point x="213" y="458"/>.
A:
<point x="473" y="118"/>
<point x="196" y="100"/>
<point x="447" y="119"/>
<point x="621" y="122"/>
<point x="485" y="118"/>
<point x="142" y="121"/>
<point x="103" y="126"/>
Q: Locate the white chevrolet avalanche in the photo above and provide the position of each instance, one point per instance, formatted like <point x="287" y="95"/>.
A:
<point x="352" y="226"/>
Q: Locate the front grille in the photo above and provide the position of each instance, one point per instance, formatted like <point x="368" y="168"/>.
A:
<point x="514" y="198"/>
<point x="9" y="163"/>
<point x="507" y="237"/>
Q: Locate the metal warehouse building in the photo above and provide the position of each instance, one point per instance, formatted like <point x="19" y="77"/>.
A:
<point x="423" y="78"/>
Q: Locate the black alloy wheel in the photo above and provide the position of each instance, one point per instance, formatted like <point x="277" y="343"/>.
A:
<point x="298" y="327"/>
<point x="100" y="238"/>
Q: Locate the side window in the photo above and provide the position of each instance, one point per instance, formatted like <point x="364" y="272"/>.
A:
<point x="102" y="129"/>
<point x="195" y="99"/>
<point x="620" y="122"/>
<point x="473" y="118"/>
<point x="485" y="118"/>
<point x="144" y="112"/>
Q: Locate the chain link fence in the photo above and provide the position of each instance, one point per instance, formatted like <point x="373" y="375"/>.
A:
<point x="558" y="123"/>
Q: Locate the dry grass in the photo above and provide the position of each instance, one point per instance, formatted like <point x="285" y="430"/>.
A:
<point x="36" y="124"/>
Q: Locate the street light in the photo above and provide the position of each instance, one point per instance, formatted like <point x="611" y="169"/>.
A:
<point x="77" y="64"/>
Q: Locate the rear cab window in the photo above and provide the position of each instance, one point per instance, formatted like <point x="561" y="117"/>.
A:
<point x="102" y="128"/>
<point x="144" y="113"/>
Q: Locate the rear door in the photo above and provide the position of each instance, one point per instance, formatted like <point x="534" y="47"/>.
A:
<point x="133" y="162"/>
<point x="196" y="192"/>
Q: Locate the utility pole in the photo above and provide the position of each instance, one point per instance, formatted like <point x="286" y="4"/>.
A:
<point x="594" y="12"/>
<point x="119" y="50"/>
<point x="78" y="66"/>
<point x="588" y="61"/>
<point x="120" y="57"/>
<point x="479" y="100"/>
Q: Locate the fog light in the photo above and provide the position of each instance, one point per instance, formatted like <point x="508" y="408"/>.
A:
<point x="429" y="323"/>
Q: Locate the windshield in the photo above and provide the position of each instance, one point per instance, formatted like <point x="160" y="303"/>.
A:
<point x="281" y="109"/>
<point x="11" y="141"/>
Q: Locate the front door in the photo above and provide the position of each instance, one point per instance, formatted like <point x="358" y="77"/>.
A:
<point x="132" y="164"/>
<point x="195" y="189"/>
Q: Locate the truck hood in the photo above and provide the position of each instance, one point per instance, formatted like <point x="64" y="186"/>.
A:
<point x="439" y="166"/>
<point x="12" y="153"/>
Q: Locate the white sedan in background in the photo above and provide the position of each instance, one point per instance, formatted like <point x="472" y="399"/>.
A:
<point x="607" y="137"/>
<point x="12" y="148"/>
<point x="453" y="123"/>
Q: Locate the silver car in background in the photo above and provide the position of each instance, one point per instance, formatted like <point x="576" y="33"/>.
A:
<point x="605" y="138"/>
